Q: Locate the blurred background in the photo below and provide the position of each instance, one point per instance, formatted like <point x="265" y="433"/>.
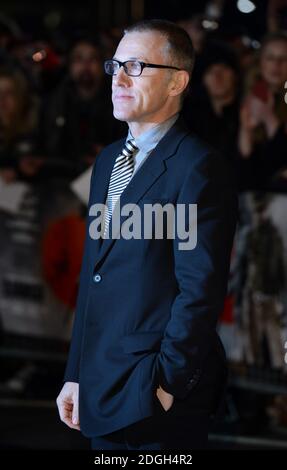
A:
<point x="56" y="115"/>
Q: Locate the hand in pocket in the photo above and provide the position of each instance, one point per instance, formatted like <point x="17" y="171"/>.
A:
<point x="165" y="398"/>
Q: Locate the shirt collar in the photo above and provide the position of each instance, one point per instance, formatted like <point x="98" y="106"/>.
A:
<point x="148" y="140"/>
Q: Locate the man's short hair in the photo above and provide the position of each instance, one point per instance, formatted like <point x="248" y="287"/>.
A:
<point x="180" y="47"/>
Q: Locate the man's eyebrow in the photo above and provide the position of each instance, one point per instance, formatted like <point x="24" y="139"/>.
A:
<point x="143" y="59"/>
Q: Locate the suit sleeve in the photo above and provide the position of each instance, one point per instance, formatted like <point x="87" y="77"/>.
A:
<point x="201" y="273"/>
<point x="73" y="363"/>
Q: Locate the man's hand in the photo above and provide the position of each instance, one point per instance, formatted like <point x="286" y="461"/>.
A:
<point x="165" y="398"/>
<point x="68" y="405"/>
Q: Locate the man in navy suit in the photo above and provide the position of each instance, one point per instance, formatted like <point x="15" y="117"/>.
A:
<point x="146" y="368"/>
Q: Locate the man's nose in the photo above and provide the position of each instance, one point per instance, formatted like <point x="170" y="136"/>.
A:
<point x="121" y="77"/>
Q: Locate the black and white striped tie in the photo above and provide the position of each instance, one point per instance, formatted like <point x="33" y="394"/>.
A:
<point x="120" y="177"/>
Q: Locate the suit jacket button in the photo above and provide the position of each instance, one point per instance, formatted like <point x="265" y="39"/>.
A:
<point x="97" y="277"/>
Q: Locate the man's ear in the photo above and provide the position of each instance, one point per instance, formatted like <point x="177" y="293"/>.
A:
<point x="179" y="82"/>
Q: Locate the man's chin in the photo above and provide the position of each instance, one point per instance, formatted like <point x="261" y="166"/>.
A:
<point x="121" y="116"/>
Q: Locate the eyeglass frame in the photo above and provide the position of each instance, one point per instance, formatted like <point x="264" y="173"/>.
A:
<point x="142" y="64"/>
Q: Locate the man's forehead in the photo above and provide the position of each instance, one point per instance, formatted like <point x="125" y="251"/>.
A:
<point x="140" y="46"/>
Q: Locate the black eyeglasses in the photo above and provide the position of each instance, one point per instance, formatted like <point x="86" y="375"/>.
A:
<point x="132" y="68"/>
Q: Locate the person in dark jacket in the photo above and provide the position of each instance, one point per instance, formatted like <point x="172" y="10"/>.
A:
<point x="213" y="114"/>
<point x="146" y="368"/>
<point x="263" y="121"/>
<point x="77" y="118"/>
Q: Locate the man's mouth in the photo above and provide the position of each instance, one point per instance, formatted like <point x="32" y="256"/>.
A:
<point x="122" y="97"/>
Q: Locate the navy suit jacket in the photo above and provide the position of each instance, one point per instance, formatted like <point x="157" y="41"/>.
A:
<point x="146" y="312"/>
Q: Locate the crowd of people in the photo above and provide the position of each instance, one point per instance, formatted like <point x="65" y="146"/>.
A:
<point x="56" y="111"/>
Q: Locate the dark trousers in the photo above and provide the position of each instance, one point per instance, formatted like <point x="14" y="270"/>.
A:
<point x="175" y="429"/>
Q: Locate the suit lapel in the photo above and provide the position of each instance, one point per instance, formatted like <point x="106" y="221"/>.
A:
<point x="152" y="168"/>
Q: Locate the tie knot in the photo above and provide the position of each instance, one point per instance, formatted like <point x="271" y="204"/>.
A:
<point x="131" y="146"/>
